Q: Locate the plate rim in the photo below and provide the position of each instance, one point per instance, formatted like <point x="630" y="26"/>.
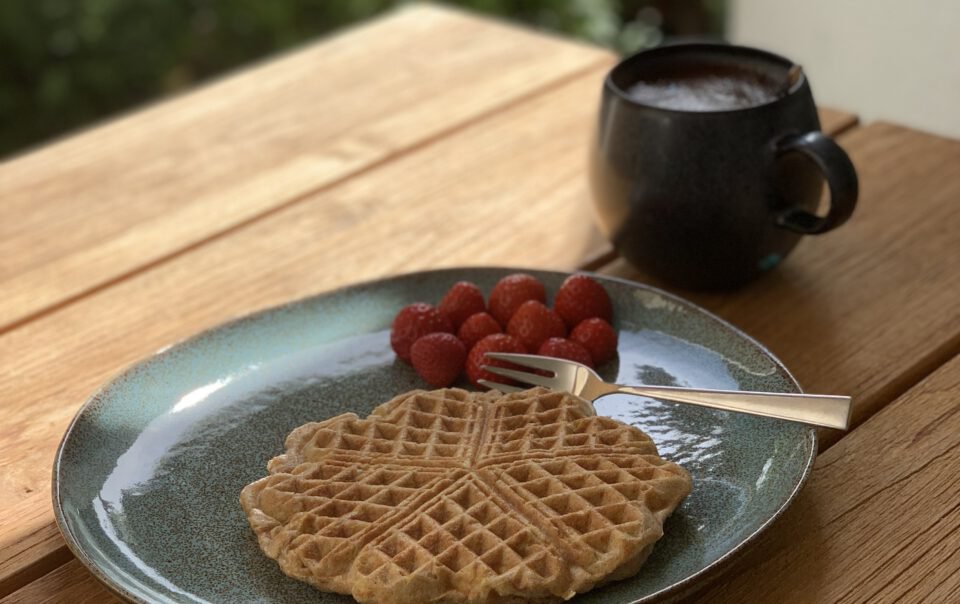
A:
<point x="686" y="584"/>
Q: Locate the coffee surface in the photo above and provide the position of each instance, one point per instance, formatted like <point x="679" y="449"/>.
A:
<point x="701" y="90"/>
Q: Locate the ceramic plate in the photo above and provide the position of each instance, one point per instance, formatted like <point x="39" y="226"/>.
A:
<point x="147" y="478"/>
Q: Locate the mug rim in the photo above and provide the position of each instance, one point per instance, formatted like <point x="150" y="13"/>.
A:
<point x="730" y="49"/>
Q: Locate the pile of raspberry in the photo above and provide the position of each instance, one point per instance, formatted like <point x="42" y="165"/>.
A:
<point x="444" y="340"/>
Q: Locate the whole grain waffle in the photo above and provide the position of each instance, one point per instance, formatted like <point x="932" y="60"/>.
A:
<point x="453" y="496"/>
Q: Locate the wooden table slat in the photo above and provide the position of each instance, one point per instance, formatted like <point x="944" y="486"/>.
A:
<point x="29" y="537"/>
<point x="870" y="309"/>
<point x="67" y="584"/>
<point x="94" y="208"/>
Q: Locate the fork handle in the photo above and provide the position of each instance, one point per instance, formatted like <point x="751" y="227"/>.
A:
<point x="825" y="410"/>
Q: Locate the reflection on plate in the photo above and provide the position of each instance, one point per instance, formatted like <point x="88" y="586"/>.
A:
<point x="148" y="475"/>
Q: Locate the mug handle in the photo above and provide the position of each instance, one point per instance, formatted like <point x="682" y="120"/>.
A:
<point x="841" y="179"/>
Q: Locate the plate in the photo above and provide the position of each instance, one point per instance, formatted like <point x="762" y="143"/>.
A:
<point x="147" y="477"/>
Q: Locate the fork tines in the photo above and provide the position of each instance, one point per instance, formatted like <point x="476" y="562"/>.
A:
<point x="528" y="360"/>
<point x="521" y="360"/>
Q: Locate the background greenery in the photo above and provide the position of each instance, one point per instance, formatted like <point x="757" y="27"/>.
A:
<point x="65" y="63"/>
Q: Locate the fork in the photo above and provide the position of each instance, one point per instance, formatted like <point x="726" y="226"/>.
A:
<point x="825" y="410"/>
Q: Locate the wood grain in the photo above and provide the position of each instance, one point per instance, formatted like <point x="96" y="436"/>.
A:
<point x="85" y="212"/>
<point x="484" y="195"/>
<point x="879" y="520"/>
<point x="871" y="308"/>
<point x="29" y="535"/>
<point x="68" y="584"/>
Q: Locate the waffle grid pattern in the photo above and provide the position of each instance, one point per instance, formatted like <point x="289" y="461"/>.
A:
<point x="451" y="496"/>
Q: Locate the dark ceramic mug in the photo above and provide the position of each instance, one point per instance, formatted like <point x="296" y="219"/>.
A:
<point x="714" y="198"/>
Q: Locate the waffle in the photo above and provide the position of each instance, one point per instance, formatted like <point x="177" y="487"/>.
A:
<point x="453" y="496"/>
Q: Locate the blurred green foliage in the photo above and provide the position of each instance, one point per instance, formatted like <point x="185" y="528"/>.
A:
<point x="65" y="63"/>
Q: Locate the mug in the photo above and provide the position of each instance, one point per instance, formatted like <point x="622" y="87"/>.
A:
<point x="712" y="196"/>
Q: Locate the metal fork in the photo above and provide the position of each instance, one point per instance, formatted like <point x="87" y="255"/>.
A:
<point x="825" y="410"/>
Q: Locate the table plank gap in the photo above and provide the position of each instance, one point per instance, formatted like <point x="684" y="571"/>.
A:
<point x="599" y="259"/>
<point x="835" y="122"/>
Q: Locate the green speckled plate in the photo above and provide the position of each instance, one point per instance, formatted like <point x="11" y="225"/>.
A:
<point x="148" y="475"/>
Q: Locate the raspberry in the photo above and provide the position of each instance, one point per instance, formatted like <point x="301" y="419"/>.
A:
<point x="461" y="301"/>
<point x="533" y="323"/>
<point x="498" y="342"/>
<point x="438" y="358"/>
<point x="477" y="327"/>
<point x="413" y="322"/>
<point x="598" y="337"/>
<point x="512" y="291"/>
<point x="580" y="298"/>
<point x="562" y="348"/>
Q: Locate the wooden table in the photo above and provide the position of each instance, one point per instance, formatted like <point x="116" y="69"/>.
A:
<point x="433" y="138"/>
